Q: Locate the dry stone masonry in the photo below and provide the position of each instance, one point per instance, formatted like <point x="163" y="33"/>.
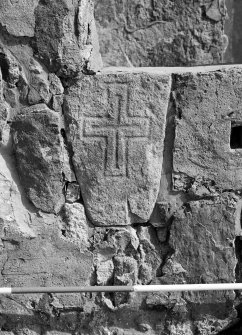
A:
<point x="117" y="176"/>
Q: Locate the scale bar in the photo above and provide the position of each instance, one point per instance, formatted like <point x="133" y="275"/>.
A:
<point x="134" y="288"/>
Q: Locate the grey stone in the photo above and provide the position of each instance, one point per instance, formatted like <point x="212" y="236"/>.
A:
<point x="161" y="33"/>
<point x="4" y="108"/>
<point x="71" y="25"/>
<point x="46" y="260"/>
<point x="205" y="151"/>
<point x="57" y="102"/>
<point x="210" y="326"/>
<point x="39" y="85"/>
<point x="75" y="227"/>
<point x="105" y="272"/>
<point x="115" y="126"/>
<point x="17" y="16"/>
<point x="165" y="300"/>
<point x="125" y="273"/>
<point x="150" y="250"/>
<point x="35" y="330"/>
<point x="180" y="328"/>
<point x="13" y="203"/>
<point x="202" y="237"/>
<point x="73" y="192"/>
<point x="41" y="171"/>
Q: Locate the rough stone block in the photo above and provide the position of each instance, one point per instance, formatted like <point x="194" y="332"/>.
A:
<point x="75" y="227"/>
<point x="60" y="33"/>
<point x="161" y="33"/>
<point x="45" y="260"/>
<point x="208" y="140"/>
<point x="116" y="127"/>
<point x="67" y="23"/>
<point x="38" y="151"/>
<point x="202" y="237"/>
<point x="17" y="17"/>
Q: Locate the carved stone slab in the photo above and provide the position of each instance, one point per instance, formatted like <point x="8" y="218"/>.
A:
<point x="116" y="127"/>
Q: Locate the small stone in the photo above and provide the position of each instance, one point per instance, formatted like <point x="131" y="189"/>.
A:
<point x="164" y="300"/>
<point x="32" y="330"/>
<point x="212" y="326"/>
<point x="39" y="89"/>
<point x="162" y="234"/>
<point x="76" y="227"/>
<point x="145" y="274"/>
<point x="4" y="112"/>
<point x="57" y="102"/>
<point x="104" y="272"/>
<point x="180" y="328"/>
<point x="11" y="96"/>
<point x="144" y="327"/>
<point x="56" y="87"/>
<point x="126" y="272"/>
<point x="73" y="192"/>
<point x="35" y="66"/>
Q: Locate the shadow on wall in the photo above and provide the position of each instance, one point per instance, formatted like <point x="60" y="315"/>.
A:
<point x="236" y="43"/>
<point x="233" y="29"/>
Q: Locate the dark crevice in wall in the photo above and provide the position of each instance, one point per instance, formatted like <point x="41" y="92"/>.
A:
<point x="68" y="183"/>
<point x="167" y="166"/>
<point x="236" y="136"/>
<point x="4" y="67"/>
<point x="70" y="152"/>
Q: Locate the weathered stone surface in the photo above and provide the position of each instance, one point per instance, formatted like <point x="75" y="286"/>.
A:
<point x="211" y="326"/>
<point x="44" y="260"/>
<point x="60" y="34"/>
<point x="161" y="33"/>
<point x="207" y="150"/>
<point x="75" y="227"/>
<point x="233" y="30"/>
<point x="105" y="272"/>
<point x="117" y="142"/>
<point x="38" y="151"/>
<point x="73" y="192"/>
<point x="14" y="205"/>
<point x="202" y="237"/>
<point x="17" y="16"/>
<point x="230" y="29"/>
<point x="71" y="26"/>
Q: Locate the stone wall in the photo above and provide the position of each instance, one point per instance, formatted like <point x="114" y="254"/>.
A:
<point x="161" y="33"/>
<point x="118" y="177"/>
